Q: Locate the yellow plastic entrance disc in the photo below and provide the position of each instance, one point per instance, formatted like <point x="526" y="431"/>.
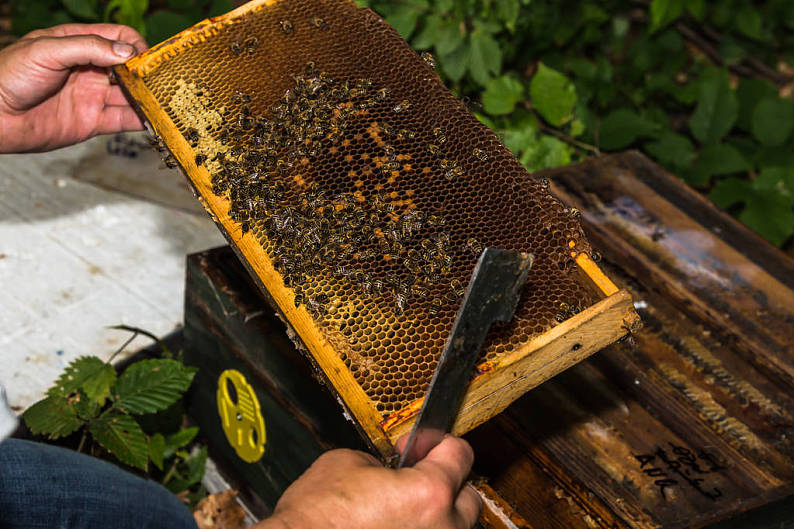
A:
<point x="241" y="416"/>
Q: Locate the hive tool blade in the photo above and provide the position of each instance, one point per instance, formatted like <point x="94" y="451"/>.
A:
<point x="492" y="295"/>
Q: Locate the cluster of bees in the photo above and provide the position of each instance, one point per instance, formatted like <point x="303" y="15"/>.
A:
<point x="260" y="165"/>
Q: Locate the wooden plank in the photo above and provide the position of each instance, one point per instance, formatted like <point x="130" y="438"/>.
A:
<point x="707" y="277"/>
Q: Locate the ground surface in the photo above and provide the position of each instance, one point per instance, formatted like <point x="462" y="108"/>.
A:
<point x="90" y="236"/>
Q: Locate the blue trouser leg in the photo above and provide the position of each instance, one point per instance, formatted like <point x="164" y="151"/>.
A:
<point x="47" y="487"/>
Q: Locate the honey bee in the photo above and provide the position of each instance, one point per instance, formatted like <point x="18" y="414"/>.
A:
<point x="480" y="154"/>
<point x="192" y="136"/>
<point x="575" y="213"/>
<point x="436" y="220"/>
<point x="433" y="149"/>
<point x="390" y="152"/>
<point x="455" y="172"/>
<point x="235" y="48"/>
<point x="419" y="290"/>
<point x="402" y="106"/>
<point x="251" y="44"/>
<point x="595" y="256"/>
<point x="318" y="22"/>
<point x="299" y="298"/>
<point x="429" y="59"/>
<point x="435" y="307"/>
<point x="286" y="26"/>
<point x="382" y="94"/>
<point x="440" y="136"/>
<point x="170" y="162"/>
<point x="456" y="288"/>
<point x="544" y="182"/>
<point x="406" y="134"/>
<point x="400" y="303"/>
<point x="474" y="246"/>
<point x="200" y="159"/>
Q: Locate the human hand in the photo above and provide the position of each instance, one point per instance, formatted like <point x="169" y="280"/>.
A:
<point x="55" y="88"/>
<point x="346" y="489"/>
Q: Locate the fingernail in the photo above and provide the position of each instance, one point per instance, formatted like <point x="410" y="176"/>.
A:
<point x="122" y="49"/>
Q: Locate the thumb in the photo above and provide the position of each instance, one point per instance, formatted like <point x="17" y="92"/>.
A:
<point x="61" y="53"/>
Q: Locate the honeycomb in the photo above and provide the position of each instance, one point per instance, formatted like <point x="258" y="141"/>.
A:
<point x="369" y="185"/>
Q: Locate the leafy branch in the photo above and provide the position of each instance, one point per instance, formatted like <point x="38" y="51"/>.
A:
<point x="108" y="407"/>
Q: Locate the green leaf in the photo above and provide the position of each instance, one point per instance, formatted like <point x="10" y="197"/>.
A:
<point x="485" y="58"/>
<point x="121" y="436"/>
<point x="731" y="51"/>
<point x="672" y="150"/>
<point x="697" y="8"/>
<point x="778" y="179"/>
<point x="765" y="211"/>
<point x="157" y="450"/>
<point x="729" y="191"/>
<point x="455" y="64"/>
<point x="86" y="9"/>
<point x="181" y="438"/>
<point x="714" y="160"/>
<point x="128" y="12"/>
<point x="519" y="139"/>
<point x="404" y="20"/>
<point x="717" y="107"/>
<point x="485" y="120"/>
<point x="501" y="95"/>
<point x="53" y="417"/>
<point x="88" y="373"/>
<point x="547" y="152"/>
<point x="665" y="11"/>
<point x="507" y="11"/>
<point x="748" y="22"/>
<point x="553" y="95"/>
<point x="162" y="25"/>
<point x="196" y="465"/>
<point x="444" y="6"/>
<point x="448" y="37"/>
<point x="151" y="385"/>
<point x="622" y="127"/>
<point x="427" y="35"/>
<point x="769" y="216"/>
<point x="773" y="120"/>
<point x="749" y="93"/>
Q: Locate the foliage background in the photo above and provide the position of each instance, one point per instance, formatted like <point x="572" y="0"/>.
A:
<point x="703" y="88"/>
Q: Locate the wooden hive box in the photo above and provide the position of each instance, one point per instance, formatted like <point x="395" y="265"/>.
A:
<point x="688" y="424"/>
<point x="358" y="192"/>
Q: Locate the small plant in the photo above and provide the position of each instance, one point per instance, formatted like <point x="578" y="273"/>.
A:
<point x="121" y="414"/>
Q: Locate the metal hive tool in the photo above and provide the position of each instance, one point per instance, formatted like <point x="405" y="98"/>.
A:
<point x="358" y="190"/>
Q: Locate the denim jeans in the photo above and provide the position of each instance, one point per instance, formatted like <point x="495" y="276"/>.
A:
<point x="48" y="487"/>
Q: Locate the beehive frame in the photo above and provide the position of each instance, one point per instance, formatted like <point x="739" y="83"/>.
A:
<point x="500" y="378"/>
